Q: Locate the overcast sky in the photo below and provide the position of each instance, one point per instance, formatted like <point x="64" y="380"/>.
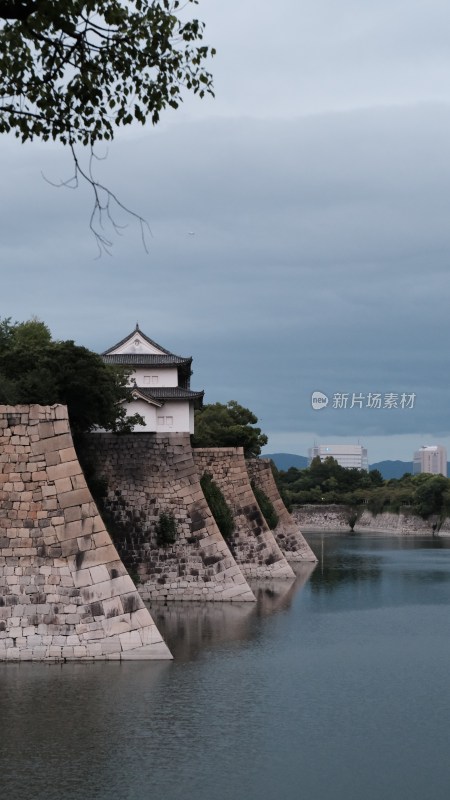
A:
<point x="317" y="187"/>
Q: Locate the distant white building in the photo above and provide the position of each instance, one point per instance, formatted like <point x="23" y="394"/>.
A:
<point x="432" y="459"/>
<point x="347" y="455"/>
<point x="161" y="384"/>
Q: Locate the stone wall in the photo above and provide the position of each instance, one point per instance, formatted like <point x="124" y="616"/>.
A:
<point x="287" y="533"/>
<point x="389" y="522"/>
<point x="253" y="543"/>
<point x="148" y="474"/>
<point x="335" y="518"/>
<point x="323" y="518"/>
<point x="64" y="592"/>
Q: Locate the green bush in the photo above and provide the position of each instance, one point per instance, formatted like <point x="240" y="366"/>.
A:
<point x="217" y="505"/>
<point x="166" y="529"/>
<point x="266" y="506"/>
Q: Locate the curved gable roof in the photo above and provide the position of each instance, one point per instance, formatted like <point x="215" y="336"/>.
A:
<point x="163" y="350"/>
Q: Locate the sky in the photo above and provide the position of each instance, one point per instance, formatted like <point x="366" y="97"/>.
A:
<point x="299" y="225"/>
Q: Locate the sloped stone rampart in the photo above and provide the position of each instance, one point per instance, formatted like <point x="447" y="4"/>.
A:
<point x="287" y="533"/>
<point x="64" y="592"/>
<point x="252" y="544"/>
<point x="148" y="474"/>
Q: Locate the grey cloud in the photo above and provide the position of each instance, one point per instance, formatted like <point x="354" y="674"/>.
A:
<point x="319" y="260"/>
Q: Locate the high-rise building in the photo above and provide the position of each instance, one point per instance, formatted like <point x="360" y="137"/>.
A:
<point x="431" y="459"/>
<point x="347" y="455"/>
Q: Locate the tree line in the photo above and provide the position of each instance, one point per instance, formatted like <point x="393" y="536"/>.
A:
<point x="326" y="482"/>
<point x="34" y="368"/>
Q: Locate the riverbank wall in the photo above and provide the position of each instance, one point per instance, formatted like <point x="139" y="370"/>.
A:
<point x="336" y="518"/>
<point x="252" y="542"/>
<point x="403" y="524"/>
<point x="149" y="478"/>
<point x="322" y="518"/>
<point x="64" y="592"/>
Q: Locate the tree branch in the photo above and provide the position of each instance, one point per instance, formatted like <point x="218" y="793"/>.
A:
<point x="17" y="9"/>
<point x="104" y="199"/>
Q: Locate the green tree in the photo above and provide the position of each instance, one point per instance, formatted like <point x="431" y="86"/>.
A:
<point x="35" y="369"/>
<point x="376" y="477"/>
<point x="265" y="506"/>
<point x="166" y="529"/>
<point x="230" y="425"/>
<point x="429" y="495"/>
<point x="218" y="506"/>
<point x="75" y="71"/>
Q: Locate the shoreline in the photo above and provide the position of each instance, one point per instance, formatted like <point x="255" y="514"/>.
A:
<point x="335" y="519"/>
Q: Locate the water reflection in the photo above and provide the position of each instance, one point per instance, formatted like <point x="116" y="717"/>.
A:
<point x="190" y="627"/>
<point x="369" y="571"/>
<point x="277" y="595"/>
<point x="286" y="697"/>
<point x="60" y="723"/>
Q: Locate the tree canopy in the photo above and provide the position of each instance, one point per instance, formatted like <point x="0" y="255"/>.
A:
<point x="326" y="482"/>
<point x="36" y="369"/>
<point x="228" y="425"/>
<point x="75" y="71"/>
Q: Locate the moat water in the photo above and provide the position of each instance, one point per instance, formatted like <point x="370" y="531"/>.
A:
<point x="337" y="686"/>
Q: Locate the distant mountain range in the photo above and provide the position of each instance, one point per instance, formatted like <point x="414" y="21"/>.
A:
<point x="393" y="469"/>
<point x="388" y="469"/>
<point x="286" y="460"/>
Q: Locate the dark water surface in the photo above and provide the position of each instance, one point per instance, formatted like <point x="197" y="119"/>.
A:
<point x="335" y="687"/>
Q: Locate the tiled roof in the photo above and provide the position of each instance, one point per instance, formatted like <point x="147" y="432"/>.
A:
<point x="170" y="393"/>
<point x="147" y="339"/>
<point x="145" y="360"/>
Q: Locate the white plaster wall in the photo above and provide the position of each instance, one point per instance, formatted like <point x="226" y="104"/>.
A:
<point x="165" y="377"/>
<point x="191" y="418"/>
<point x="178" y="412"/>
<point x="175" y="416"/>
<point x="147" y="411"/>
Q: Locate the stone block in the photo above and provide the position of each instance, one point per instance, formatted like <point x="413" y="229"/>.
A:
<point x="74" y="498"/>
<point x="63" y="485"/>
<point x="71" y="530"/>
<point x="46" y="430"/>
<point x="114" y="626"/>
<point x="82" y="578"/>
<point x="114" y="608"/>
<point x="99" y="574"/>
<point x="69" y="547"/>
<point x="65" y="470"/>
<point x="130" y="640"/>
<point x="67" y="454"/>
<point x="111" y="645"/>
<point x="59" y="443"/>
<point x="108" y="589"/>
<point x="157" y="650"/>
<point x="72" y="514"/>
<point x="99" y="555"/>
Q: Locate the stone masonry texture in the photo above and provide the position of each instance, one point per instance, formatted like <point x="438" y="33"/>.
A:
<point x="253" y="543"/>
<point x="64" y="592"/>
<point x="287" y="533"/>
<point x="146" y="475"/>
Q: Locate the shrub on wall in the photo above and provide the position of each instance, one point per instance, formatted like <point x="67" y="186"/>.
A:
<point x="166" y="529"/>
<point x="217" y="505"/>
<point x="266" y="506"/>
